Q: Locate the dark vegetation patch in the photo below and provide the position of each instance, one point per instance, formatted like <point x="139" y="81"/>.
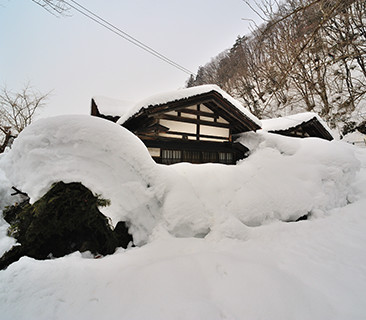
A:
<point x="66" y="219"/>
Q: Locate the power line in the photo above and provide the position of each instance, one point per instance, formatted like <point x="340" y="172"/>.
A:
<point x="52" y="8"/>
<point x="96" y="18"/>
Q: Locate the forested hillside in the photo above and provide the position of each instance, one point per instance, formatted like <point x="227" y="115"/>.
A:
<point x="309" y="55"/>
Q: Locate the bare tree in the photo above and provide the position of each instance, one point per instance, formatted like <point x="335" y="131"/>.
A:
<point x="17" y="111"/>
<point x="309" y="55"/>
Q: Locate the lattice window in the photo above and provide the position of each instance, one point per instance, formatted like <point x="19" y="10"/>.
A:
<point x="171" y="156"/>
<point x="210" y="156"/>
<point x="226" y="157"/>
<point x="192" y="156"/>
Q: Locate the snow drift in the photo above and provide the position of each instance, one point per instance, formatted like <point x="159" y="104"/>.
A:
<point x="283" y="179"/>
<point x="312" y="269"/>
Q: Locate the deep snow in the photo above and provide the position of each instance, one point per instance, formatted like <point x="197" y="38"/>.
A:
<point x="215" y="242"/>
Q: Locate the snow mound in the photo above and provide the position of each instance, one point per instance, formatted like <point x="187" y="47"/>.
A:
<point x="105" y="157"/>
<point x="283" y="179"/>
<point x="286" y="271"/>
<point x="282" y="271"/>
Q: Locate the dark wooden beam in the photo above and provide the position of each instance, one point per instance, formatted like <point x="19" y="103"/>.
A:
<point x="195" y="135"/>
<point x="196" y="121"/>
<point x="179" y="144"/>
<point x="200" y="113"/>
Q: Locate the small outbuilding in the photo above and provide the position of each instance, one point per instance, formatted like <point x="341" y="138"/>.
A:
<point x="191" y="125"/>
<point x="301" y="125"/>
<point x="356" y="138"/>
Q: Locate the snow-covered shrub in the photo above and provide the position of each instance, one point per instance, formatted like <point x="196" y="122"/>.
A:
<point x="64" y="220"/>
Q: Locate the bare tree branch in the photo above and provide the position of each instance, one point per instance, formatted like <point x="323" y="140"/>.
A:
<point x="17" y="111"/>
<point x="310" y="56"/>
<point x="263" y="17"/>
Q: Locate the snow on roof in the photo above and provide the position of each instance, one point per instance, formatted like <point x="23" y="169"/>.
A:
<point x="355" y="137"/>
<point x="287" y="122"/>
<point x="112" y="107"/>
<point x="184" y="94"/>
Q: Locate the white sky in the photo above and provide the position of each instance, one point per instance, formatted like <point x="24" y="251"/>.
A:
<point x="77" y="59"/>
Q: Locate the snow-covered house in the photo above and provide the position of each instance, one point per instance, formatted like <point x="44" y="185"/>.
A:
<point x="307" y="124"/>
<point x="192" y="125"/>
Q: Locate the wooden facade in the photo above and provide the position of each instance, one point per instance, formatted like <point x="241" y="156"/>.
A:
<point x="196" y="129"/>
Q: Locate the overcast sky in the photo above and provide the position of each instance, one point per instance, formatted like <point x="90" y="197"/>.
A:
<point x="77" y="59"/>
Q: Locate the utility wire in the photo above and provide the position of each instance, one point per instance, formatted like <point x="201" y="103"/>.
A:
<point x="89" y="14"/>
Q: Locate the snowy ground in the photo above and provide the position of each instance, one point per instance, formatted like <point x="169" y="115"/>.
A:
<point x="215" y="244"/>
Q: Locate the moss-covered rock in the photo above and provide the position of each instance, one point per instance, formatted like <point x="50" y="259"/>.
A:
<point x="64" y="220"/>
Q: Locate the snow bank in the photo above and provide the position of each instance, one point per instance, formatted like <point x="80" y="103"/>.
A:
<point x="313" y="269"/>
<point x="307" y="270"/>
<point x="284" y="178"/>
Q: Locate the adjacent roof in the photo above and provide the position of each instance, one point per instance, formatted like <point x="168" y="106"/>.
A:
<point x="111" y="107"/>
<point x="186" y="94"/>
<point x="356" y="138"/>
<point x="295" y="121"/>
